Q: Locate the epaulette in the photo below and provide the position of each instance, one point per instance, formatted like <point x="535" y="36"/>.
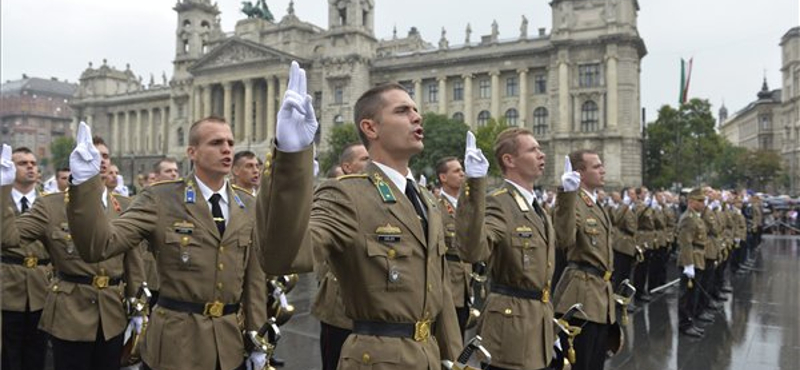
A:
<point x="114" y="193"/>
<point x="352" y="176"/>
<point x="166" y="182"/>
<point x="237" y="187"/>
<point x="45" y="195"/>
<point x="498" y="192"/>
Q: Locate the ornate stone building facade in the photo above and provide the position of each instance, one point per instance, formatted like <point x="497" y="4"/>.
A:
<point x="575" y="87"/>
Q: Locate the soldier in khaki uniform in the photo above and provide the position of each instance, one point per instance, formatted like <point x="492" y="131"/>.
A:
<point x="451" y="177"/>
<point x="583" y="230"/>
<point x="25" y="275"/>
<point x="660" y="254"/>
<point x="707" y="280"/>
<point x="625" y="249"/>
<point x="83" y="312"/>
<point x="201" y="232"/>
<point x="692" y="240"/>
<point x="516" y="238"/>
<point x="335" y="326"/>
<point x="645" y="238"/>
<point x="380" y="233"/>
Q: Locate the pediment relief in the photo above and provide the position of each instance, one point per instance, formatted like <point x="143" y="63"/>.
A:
<point x="238" y="52"/>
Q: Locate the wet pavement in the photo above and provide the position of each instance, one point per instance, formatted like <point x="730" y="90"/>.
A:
<point x="759" y="328"/>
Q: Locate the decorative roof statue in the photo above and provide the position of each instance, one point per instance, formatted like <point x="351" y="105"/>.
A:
<point x="495" y="32"/>
<point x="260" y="10"/>
<point x="469" y="32"/>
<point x="290" y="11"/>
<point x="443" y="43"/>
<point x="523" y="28"/>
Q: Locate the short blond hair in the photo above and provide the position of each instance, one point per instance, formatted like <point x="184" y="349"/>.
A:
<point x="507" y="143"/>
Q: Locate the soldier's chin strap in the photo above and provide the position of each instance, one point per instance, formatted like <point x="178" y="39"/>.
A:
<point x="474" y="345"/>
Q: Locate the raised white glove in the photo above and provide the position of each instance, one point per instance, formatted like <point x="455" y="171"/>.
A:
<point x="84" y="162"/>
<point x="689" y="271"/>
<point x="737" y="240"/>
<point x="256" y="361"/>
<point x="8" y="171"/>
<point x="475" y="164"/>
<point x="570" y="180"/>
<point x="297" y="123"/>
<point x="423" y="181"/>
<point x="137" y="322"/>
<point x="626" y="199"/>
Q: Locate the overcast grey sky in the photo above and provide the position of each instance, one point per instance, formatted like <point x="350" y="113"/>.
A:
<point x="733" y="42"/>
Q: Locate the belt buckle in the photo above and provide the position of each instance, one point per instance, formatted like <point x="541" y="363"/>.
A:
<point x="30" y="262"/>
<point x="607" y="276"/>
<point x="422" y="330"/>
<point x="100" y="281"/>
<point x="545" y="295"/>
<point x="214" y="309"/>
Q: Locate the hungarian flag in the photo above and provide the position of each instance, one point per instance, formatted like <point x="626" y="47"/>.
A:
<point x="686" y="77"/>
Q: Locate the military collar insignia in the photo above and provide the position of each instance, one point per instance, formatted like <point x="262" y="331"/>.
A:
<point x="383" y="188"/>
<point x="189" y="193"/>
<point x="238" y="200"/>
<point x="586" y="198"/>
<point x="450" y="209"/>
<point x="388" y="229"/>
<point x="115" y="203"/>
<point x="521" y="203"/>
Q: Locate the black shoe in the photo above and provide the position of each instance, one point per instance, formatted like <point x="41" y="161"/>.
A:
<point x="277" y="361"/>
<point x="692" y="332"/>
<point x="720" y="298"/>
<point x="706" y="317"/>
<point x="726" y="289"/>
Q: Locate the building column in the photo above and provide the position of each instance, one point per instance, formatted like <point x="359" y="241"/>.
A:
<point x="139" y="136"/>
<point x="207" y="89"/>
<point x="523" y="95"/>
<point x="495" y="105"/>
<point x="227" y="100"/>
<point x="612" y="105"/>
<point x="197" y="104"/>
<point x="271" y="115"/>
<point x="259" y="99"/>
<point x="114" y="132"/>
<point x="563" y="97"/>
<point x="126" y="132"/>
<point x="468" y="114"/>
<point x="442" y="94"/>
<point x="418" y="93"/>
<point x="248" y="110"/>
<point x="165" y="125"/>
<point x="151" y="130"/>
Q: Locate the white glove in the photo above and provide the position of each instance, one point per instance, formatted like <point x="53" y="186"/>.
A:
<point x="737" y="240"/>
<point x="84" y="162"/>
<point x="570" y="180"/>
<point x="626" y="199"/>
<point x="256" y="361"/>
<point x="297" y="123"/>
<point x="689" y="271"/>
<point x="8" y="171"/>
<point x="423" y="181"/>
<point x="137" y="322"/>
<point x="475" y="164"/>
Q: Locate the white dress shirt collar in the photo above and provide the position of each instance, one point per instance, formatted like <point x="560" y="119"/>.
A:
<point x="451" y="199"/>
<point x="396" y="177"/>
<point x="223" y="192"/>
<point x="17" y="196"/>
<point x="528" y="195"/>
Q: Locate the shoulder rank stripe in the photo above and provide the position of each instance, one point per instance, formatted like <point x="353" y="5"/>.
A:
<point x="499" y="191"/>
<point x="352" y="176"/>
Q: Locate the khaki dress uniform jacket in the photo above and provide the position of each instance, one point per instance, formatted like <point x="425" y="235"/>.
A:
<point x="195" y="263"/>
<point x="519" y="247"/>
<point x="645" y="234"/>
<point x="625" y="221"/>
<point x="714" y="229"/>
<point x="389" y="271"/>
<point x="459" y="270"/>
<point x="692" y="240"/>
<point x="73" y="311"/>
<point x="583" y="230"/>
<point x="25" y="284"/>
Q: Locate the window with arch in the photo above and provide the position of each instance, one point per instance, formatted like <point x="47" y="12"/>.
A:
<point x="540" y="121"/>
<point x="179" y="136"/>
<point x="187" y="23"/>
<point x="483" y="117"/>
<point x="512" y="117"/>
<point x="205" y="24"/>
<point x="338" y="120"/>
<point x="458" y="117"/>
<point x="185" y="45"/>
<point x="589" y="117"/>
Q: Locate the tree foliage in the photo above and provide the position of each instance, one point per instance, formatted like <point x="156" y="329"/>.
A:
<point x="341" y="136"/>
<point x="683" y="148"/>
<point x="60" y="149"/>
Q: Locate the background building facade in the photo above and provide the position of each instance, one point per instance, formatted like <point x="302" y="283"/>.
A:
<point x="34" y="111"/>
<point x="575" y="87"/>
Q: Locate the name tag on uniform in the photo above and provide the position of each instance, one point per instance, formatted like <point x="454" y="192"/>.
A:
<point x="524" y="232"/>
<point x="184" y="227"/>
<point x="388" y="233"/>
<point x="388" y="238"/>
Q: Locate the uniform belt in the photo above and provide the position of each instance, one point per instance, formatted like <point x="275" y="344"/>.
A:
<point x="419" y="331"/>
<point x="29" y="262"/>
<point x="698" y="246"/>
<point x="210" y="309"/>
<point x="98" y="281"/>
<point x="585" y="267"/>
<point x="452" y="257"/>
<point x="536" y="295"/>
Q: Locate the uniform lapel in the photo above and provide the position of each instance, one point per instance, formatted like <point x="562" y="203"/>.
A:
<point x="401" y="209"/>
<point x="527" y="210"/>
<point x="237" y="216"/>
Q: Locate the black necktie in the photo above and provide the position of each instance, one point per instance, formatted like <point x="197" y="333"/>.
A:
<point x="411" y="193"/>
<point x="23" y="204"/>
<point x="216" y="212"/>
<point x="538" y="209"/>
